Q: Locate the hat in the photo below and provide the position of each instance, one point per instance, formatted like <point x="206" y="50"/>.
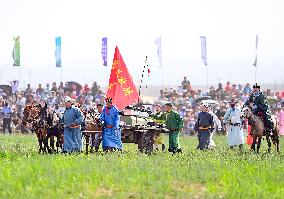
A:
<point x="108" y="99"/>
<point x="100" y="104"/>
<point x="206" y="104"/>
<point x="233" y="101"/>
<point x="169" y="104"/>
<point x="68" y="99"/>
<point x="256" y="86"/>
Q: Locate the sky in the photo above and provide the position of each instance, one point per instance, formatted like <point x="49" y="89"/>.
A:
<point x="230" y="27"/>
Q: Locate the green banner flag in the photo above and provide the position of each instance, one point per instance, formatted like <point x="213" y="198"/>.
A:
<point x="16" y="51"/>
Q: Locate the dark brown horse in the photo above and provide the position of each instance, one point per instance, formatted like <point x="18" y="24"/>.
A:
<point x="258" y="130"/>
<point x="39" y="127"/>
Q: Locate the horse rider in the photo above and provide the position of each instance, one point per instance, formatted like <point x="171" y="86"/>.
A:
<point x="233" y="119"/>
<point x="258" y="103"/>
<point x="72" y="120"/>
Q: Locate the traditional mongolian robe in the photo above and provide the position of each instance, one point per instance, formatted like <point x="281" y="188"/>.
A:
<point x="72" y="119"/>
<point x="280" y="116"/>
<point x="111" y="136"/>
<point x="235" y="132"/>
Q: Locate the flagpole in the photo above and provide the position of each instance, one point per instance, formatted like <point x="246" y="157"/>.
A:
<point x="19" y="76"/>
<point x="255" y="74"/>
<point x="207" y="77"/>
<point x="61" y="74"/>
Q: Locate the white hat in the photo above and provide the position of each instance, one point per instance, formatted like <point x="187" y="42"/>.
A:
<point x="68" y="99"/>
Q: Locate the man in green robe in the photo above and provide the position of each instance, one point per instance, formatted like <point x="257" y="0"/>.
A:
<point x="174" y="124"/>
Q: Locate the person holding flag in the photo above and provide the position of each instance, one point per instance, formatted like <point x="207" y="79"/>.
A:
<point x="111" y="130"/>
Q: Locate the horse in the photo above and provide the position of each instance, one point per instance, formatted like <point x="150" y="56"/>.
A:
<point x="258" y="130"/>
<point x="55" y="129"/>
<point x="39" y="127"/>
<point x="93" y="126"/>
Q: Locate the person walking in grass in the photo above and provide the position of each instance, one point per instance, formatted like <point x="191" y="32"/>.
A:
<point x="233" y="120"/>
<point x="204" y="126"/>
<point x="174" y="124"/>
<point x="72" y="120"/>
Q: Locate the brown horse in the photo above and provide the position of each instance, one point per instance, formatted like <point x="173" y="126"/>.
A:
<point x="258" y="130"/>
<point x="39" y="127"/>
<point x="93" y="127"/>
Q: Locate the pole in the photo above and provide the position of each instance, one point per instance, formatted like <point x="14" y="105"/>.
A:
<point x="255" y="75"/>
<point x="207" y="77"/>
<point x="61" y="74"/>
<point x="162" y="77"/>
<point x="19" y="76"/>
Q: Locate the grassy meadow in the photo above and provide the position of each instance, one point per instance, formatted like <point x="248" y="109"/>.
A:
<point x="218" y="173"/>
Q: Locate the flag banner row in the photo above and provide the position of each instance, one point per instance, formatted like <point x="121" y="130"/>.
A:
<point x="203" y="50"/>
<point x="16" y="52"/>
<point x="58" y="51"/>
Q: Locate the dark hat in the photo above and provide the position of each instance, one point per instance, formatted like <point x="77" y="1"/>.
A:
<point x="256" y="86"/>
<point x="169" y="104"/>
<point x="233" y="101"/>
<point x="100" y="104"/>
<point x="108" y="99"/>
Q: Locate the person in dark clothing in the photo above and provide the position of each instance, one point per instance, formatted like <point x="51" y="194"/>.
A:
<point x="7" y="117"/>
<point x="204" y="126"/>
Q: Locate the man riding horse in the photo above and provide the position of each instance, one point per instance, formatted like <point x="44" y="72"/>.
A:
<point x="257" y="102"/>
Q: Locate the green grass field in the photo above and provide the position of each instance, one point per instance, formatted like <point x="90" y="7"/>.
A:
<point x="218" y="173"/>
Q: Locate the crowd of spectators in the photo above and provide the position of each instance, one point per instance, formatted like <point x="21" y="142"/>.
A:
<point x="186" y="100"/>
<point x="53" y="95"/>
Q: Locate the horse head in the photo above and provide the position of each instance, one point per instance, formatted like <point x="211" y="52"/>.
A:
<point x="246" y="113"/>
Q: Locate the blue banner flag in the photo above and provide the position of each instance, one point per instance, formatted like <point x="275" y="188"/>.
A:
<point x="58" y="51"/>
<point x="203" y="50"/>
<point x="104" y="50"/>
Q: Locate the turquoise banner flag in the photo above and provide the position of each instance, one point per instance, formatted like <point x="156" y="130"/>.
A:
<point x="16" y="51"/>
<point x="58" y="51"/>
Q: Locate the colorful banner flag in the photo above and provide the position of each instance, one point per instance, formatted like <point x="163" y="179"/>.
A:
<point x="121" y="87"/>
<point x="158" y="42"/>
<point x="58" y="51"/>
<point x="256" y="46"/>
<point x="16" y="51"/>
<point x="203" y="50"/>
<point x="104" y="50"/>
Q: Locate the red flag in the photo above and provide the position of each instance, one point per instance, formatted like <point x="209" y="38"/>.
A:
<point x="121" y="87"/>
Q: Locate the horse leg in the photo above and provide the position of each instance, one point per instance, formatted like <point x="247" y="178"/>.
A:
<point x="268" y="142"/>
<point x="258" y="143"/>
<point x="87" y="137"/>
<point x="92" y="142"/>
<point x="39" y="143"/>
<point x="253" y="144"/>
<point x="275" y="140"/>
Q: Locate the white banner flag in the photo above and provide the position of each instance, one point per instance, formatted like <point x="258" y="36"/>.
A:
<point x="203" y="49"/>
<point x="256" y="46"/>
<point x="158" y="42"/>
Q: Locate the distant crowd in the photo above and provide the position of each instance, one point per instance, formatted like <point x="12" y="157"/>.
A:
<point x="184" y="98"/>
<point x="53" y="95"/>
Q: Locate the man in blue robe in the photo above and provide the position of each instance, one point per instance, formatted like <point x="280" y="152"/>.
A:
<point x="72" y="120"/>
<point x="111" y="130"/>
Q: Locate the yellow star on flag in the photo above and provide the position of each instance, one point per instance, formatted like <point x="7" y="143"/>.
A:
<point x="122" y="80"/>
<point x="127" y="91"/>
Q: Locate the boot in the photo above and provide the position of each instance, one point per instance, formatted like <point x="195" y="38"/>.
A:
<point x="179" y="150"/>
<point x="163" y="147"/>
